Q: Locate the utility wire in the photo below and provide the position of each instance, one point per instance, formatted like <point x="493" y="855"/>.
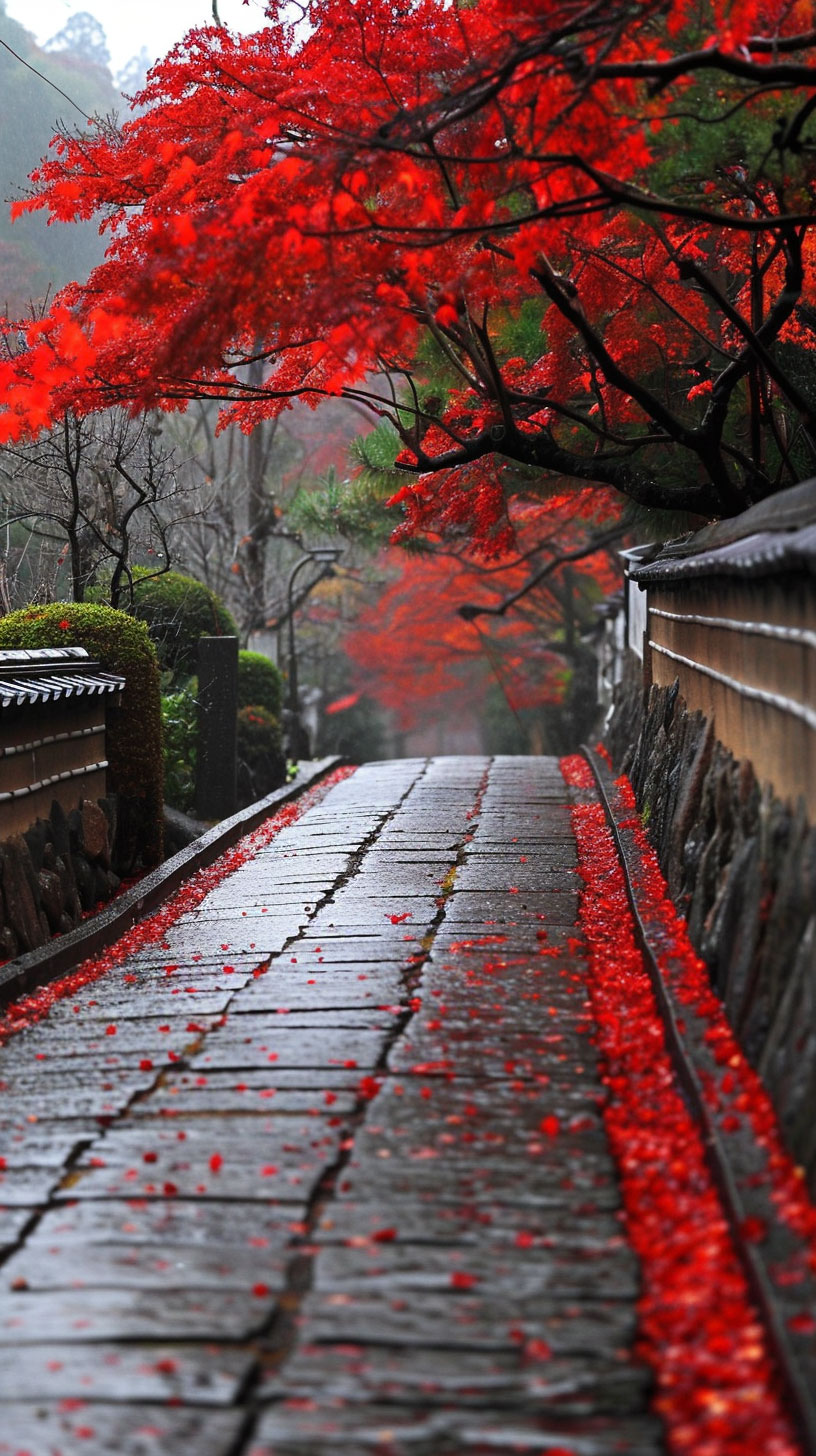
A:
<point x="46" y="79"/>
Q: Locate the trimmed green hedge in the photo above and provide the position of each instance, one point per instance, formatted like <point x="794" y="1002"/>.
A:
<point x="178" y="610"/>
<point x="261" y="759"/>
<point x="259" y="682"/>
<point x="134" y="737"/>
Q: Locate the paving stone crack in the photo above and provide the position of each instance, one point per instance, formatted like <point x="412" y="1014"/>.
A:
<point x="281" y="1336"/>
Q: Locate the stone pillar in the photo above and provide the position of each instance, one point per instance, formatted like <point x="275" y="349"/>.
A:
<point x="216" y="781"/>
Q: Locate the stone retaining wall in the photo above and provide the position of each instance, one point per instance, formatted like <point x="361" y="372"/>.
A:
<point x="741" y="866"/>
<point x="53" y="872"/>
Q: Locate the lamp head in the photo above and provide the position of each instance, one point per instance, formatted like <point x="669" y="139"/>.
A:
<point x="326" y="554"/>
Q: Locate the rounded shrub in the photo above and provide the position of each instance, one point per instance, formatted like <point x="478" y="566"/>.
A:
<point x="134" y="737"/>
<point x="260" y="682"/>
<point x="177" y="610"/>
<point x="261" y="760"/>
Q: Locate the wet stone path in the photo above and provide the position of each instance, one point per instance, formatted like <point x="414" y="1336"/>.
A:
<point x="326" y="1171"/>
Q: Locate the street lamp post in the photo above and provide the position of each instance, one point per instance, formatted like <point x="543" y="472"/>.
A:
<point x="324" y="557"/>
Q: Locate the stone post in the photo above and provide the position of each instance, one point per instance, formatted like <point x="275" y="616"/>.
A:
<point x="216" y="772"/>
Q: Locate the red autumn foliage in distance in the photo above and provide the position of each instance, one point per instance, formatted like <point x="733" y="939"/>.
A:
<point x="414" y="649"/>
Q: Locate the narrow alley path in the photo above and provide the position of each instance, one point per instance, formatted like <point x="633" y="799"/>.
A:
<point x="326" y="1170"/>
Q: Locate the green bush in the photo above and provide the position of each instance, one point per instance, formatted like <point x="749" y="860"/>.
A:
<point x="261" y="760"/>
<point x="259" y="682"/>
<point x="180" y="727"/>
<point x="134" y="737"/>
<point x="177" y="611"/>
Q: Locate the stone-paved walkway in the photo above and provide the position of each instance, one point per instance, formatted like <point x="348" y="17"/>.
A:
<point x="327" y="1173"/>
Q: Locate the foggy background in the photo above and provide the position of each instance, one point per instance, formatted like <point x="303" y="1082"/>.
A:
<point x="154" y="24"/>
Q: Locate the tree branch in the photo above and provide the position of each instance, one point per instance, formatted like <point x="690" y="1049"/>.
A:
<point x="469" y="611"/>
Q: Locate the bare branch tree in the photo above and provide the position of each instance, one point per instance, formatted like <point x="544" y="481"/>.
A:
<point x="95" y="495"/>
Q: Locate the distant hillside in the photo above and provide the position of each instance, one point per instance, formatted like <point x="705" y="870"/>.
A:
<point x="36" y="258"/>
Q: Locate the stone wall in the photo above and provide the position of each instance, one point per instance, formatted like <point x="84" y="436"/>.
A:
<point x="53" y="872"/>
<point x="741" y="866"/>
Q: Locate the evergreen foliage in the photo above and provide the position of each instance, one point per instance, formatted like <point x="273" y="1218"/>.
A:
<point x="261" y="760"/>
<point x="260" y="682"/>
<point x="177" y="610"/>
<point x="180" y="734"/>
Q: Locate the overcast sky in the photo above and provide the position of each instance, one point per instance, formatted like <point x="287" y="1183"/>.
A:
<point x="155" y="24"/>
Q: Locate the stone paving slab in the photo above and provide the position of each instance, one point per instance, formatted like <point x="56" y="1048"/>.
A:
<point x="391" y="1269"/>
<point x="351" y="991"/>
<point x="42" y="1429"/>
<point x="308" y="1018"/>
<point x="154" y="1266"/>
<point x="544" y="1186"/>
<point x="436" y="1319"/>
<point x="156" y="962"/>
<point x="411" y="1431"/>
<point x="234" y="933"/>
<point x="169" y="1221"/>
<point x="227" y="1093"/>
<point x="13" y="1222"/>
<point x="574" y="1232"/>
<point x="325" y="1171"/>
<point x="249" y="1041"/>
<point x="158" y="1373"/>
<point x="368" y="1374"/>
<point x="252" y="1159"/>
<point x="22" y="1187"/>
<point x="39" y="1145"/>
<point x="332" y="946"/>
<point x="75" y="1316"/>
<point x="64" y="1090"/>
<point x="131" y="1035"/>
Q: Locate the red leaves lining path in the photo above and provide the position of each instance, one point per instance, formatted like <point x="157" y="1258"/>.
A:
<point x="30" y="1009"/>
<point x="717" y="1390"/>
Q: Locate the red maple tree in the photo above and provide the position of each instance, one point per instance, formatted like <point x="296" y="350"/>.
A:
<point x="440" y="631"/>
<point x="632" y="184"/>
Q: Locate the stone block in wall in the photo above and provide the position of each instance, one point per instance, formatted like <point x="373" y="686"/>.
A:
<point x="54" y="871"/>
<point x="705" y="889"/>
<point x="19" y="893"/>
<point x="74" y="830"/>
<point x="3" y="918"/>
<point x="85" y="880"/>
<point x="654" y="782"/>
<point x="788" y="1060"/>
<point x="50" y="897"/>
<point x="733" y="931"/>
<point x="686" y="839"/>
<point x="788" y="901"/>
<point x="60" y="835"/>
<point x="106" y="883"/>
<point x="9" y="945"/>
<point x="714" y="830"/>
<point x="37" y="837"/>
<point x="94" y="833"/>
<point x="110" y="808"/>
